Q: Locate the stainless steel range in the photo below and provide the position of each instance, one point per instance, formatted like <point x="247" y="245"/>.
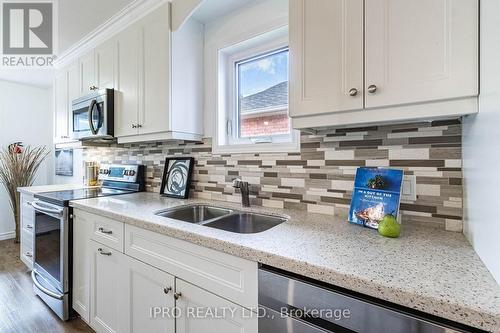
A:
<point x="52" y="269"/>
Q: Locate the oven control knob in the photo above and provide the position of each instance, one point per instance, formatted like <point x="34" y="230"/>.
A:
<point x="131" y="173"/>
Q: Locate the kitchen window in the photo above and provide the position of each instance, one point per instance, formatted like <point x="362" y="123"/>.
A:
<point x="253" y="84"/>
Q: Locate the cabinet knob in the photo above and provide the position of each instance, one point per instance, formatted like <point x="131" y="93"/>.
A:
<point x="166" y="290"/>
<point x="107" y="232"/>
<point x="177" y="296"/>
<point x="372" y="89"/>
<point x="101" y="251"/>
<point x="353" y="92"/>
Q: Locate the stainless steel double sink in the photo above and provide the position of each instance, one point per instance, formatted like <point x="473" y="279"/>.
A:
<point x="223" y="218"/>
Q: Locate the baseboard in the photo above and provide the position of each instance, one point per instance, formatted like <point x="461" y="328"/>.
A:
<point x="7" y="235"/>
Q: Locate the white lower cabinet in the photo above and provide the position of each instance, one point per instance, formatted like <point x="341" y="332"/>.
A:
<point x="209" y="313"/>
<point x="27" y="223"/>
<point x="108" y="289"/>
<point x="115" y="292"/>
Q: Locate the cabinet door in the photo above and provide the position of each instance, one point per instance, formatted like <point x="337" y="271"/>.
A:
<point x="81" y="266"/>
<point x="418" y="51"/>
<point x="61" y="106"/>
<point x="326" y="56"/>
<point x="150" y="293"/>
<point x="154" y="107"/>
<point x="127" y="94"/>
<point x="108" y="289"/>
<point x="74" y="90"/>
<point x="87" y="70"/>
<point x="106" y="56"/>
<point x="234" y="319"/>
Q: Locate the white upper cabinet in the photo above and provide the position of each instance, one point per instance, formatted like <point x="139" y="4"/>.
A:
<point x="155" y="109"/>
<point x="61" y="132"/>
<point x="127" y="94"/>
<point x="418" y="51"/>
<point x="326" y="56"/>
<point x="382" y="60"/>
<point x="106" y="64"/>
<point x="87" y="71"/>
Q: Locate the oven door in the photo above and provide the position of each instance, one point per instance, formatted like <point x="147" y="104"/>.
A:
<point x="51" y="251"/>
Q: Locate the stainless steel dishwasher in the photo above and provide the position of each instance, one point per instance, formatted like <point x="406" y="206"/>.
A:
<point x="292" y="305"/>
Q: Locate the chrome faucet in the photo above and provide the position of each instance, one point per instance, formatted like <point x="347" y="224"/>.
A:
<point x="244" y="188"/>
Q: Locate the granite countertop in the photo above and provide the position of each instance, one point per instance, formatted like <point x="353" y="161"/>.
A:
<point x="430" y="270"/>
<point x="49" y="188"/>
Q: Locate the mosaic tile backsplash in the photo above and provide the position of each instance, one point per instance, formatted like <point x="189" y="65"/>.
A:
<point x="320" y="178"/>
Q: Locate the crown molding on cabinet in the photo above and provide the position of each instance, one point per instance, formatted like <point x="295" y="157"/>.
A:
<point x="118" y="22"/>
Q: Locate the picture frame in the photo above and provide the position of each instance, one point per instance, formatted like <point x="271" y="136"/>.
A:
<point x="176" y="178"/>
<point x="63" y="162"/>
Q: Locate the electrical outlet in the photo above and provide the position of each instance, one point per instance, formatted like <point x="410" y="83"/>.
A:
<point x="409" y="190"/>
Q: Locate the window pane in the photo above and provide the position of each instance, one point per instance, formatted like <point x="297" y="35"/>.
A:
<point x="263" y="95"/>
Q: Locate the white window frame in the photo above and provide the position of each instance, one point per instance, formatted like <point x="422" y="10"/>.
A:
<point x="229" y="142"/>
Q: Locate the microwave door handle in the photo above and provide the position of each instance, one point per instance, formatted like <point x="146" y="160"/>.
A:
<point x="91" y="114"/>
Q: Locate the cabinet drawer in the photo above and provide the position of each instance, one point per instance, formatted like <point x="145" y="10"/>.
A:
<point x="106" y="231"/>
<point x="222" y="274"/>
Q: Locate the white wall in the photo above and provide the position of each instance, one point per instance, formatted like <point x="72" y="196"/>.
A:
<point x="251" y="20"/>
<point x="25" y="115"/>
<point x="481" y="148"/>
<point x="77" y="18"/>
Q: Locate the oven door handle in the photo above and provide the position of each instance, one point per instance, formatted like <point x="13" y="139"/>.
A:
<point x="43" y="289"/>
<point x="41" y="209"/>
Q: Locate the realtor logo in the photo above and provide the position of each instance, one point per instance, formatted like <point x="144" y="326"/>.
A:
<point x="27" y="28"/>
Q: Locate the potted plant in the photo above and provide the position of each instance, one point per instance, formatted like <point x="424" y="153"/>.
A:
<point x="18" y="168"/>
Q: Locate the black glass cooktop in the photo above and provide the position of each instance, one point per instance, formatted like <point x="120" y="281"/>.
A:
<point x="62" y="198"/>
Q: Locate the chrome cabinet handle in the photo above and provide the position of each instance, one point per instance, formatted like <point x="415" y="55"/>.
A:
<point x="28" y="254"/>
<point x="353" y="92"/>
<point x="166" y="290"/>
<point x="28" y="203"/>
<point x="139" y="126"/>
<point x="372" y="89"/>
<point x="134" y="126"/>
<point x="177" y="295"/>
<point x="93" y="88"/>
<point x="107" y="232"/>
<point x="29" y="226"/>
<point x="104" y="253"/>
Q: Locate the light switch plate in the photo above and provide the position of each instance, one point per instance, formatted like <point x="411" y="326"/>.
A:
<point x="409" y="190"/>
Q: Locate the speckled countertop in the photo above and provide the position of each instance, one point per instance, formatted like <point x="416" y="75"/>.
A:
<point x="430" y="270"/>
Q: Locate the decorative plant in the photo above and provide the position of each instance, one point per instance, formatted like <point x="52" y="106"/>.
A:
<point x="18" y="168"/>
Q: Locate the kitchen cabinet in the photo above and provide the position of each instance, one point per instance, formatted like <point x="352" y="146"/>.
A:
<point x="27" y="223"/>
<point x="61" y="103"/>
<point x="81" y="265"/>
<point x="145" y="81"/>
<point x="382" y="61"/>
<point x="326" y="76"/>
<point x="236" y="320"/>
<point x="108" y="289"/>
<point x="87" y="72"/>
<point x="124" y="284"/>
<point x="106" y="64"/>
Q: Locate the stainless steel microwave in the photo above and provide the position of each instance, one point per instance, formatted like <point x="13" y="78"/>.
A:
<point x="93" y="116"/>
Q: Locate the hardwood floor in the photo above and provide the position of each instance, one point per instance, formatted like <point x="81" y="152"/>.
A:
<point x="21" y="311"/>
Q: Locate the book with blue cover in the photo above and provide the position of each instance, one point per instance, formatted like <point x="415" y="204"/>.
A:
<point x="377" y="193"/>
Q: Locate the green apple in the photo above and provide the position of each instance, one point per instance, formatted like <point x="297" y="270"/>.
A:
<point x="389" y="226"/>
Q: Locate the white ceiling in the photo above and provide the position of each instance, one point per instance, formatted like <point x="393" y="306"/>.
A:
<point x="210" y="10"/>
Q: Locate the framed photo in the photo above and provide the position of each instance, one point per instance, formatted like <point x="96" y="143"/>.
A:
<point x="177" y="177"/>
<point x="64" y="162"/>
